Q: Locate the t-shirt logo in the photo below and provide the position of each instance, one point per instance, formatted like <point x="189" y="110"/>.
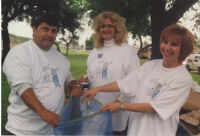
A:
<point x="105" y="71"/>
<point x="100" y="56"/>
<point x="55" y="77"/>
<point x="155" y="93"/>
<point x="156" y="90"/>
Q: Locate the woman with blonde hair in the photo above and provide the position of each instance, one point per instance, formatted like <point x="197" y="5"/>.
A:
<point x="115" y="23"/>
<point x="111" y="60"/>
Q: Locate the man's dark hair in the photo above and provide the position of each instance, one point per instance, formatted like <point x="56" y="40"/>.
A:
<point x="50" y="19"/>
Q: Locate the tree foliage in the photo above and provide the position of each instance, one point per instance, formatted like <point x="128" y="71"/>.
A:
<point x="134" y="11"/>
<point x="89" y="44"/>
<point x="69" y="12"/>
<point x="145" y="17"/>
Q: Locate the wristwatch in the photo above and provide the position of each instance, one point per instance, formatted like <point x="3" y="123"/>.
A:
<point x="77" y="85"/>
<point x="122" y="106"/>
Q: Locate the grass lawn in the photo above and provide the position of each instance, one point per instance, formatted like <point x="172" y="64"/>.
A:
<point x="196" y="77"/>
<point x="5" y="91"/>
<point x="78" y="62"/>
<point x="78" y="68"/>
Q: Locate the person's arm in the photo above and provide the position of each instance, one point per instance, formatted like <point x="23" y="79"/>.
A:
<point x="76" y="88"/>
<point x="72" y="83"/>
<point x="112" y="87"/>
<point x="136" y="107"/>
<point x="32" y="101"/>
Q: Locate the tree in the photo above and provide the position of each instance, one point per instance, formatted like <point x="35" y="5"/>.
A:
<point x="145" y="17"/>
<point x="57" y="46"/>
<point x="68" y="11"/>
<point x="77" y="13"/>
<point x="162" y="17"/>
<point x="134" y="11"/>
<point x="22" y="10"/>
<point x="68" y="40"/>
<point x="89" y="44"/>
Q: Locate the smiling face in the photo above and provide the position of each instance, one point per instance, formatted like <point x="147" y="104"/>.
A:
<point x="170" y="49"/>
<point x="45" y="35"/>
<point x="107" y="29"/>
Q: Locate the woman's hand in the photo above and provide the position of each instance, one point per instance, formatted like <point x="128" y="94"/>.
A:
<point x="90" y="93"/>
<point x="111" y="107"/>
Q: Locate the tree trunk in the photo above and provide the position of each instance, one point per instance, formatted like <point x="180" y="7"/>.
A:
<point x="67" y="49"/>
<point x="6" y="41"/>
<point x="57" y="47"/>
<point x="141" y="46"/>
<point x="161" y="19"/>
<point x="157" y="14"/>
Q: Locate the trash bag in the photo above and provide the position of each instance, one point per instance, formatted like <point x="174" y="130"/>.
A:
<point x="82" y="119"/>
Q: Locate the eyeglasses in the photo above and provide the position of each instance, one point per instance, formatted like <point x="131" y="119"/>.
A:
<point x="107" y="25"/>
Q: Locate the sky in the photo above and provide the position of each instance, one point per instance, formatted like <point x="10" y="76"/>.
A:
<point x="25" y="30"/>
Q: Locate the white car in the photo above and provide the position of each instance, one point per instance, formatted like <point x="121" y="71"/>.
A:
<point x="192" y="62"/>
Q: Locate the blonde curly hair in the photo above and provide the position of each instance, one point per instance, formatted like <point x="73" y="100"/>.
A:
<point x="120" y="29"/>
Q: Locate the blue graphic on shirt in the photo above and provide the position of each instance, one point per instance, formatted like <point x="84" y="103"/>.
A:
<point x="55" y="77"/>
<point x="156" y="90"/>
<point x="155" y="93"/>
<point x="105" y="71"/>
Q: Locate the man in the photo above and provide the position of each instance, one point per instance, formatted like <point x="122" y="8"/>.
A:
<point x="37" y="75"/>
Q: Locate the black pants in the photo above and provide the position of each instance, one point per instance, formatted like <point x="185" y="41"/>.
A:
<point x="121" y="133"/>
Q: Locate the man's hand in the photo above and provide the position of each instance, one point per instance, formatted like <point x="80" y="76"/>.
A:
<point x="77" y="91"/>
<point x="84" y="79"/>
<point x="111" y="107"/>
<point x="31" y="100"/>
<point x="90" y="93"/>
<point x="50" y="117"/>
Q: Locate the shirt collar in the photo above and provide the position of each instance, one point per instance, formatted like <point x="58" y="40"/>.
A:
<point x="109" y="43"/>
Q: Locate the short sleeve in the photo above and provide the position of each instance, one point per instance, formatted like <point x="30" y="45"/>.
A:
<point x="17" y="67"/>
<point x="171" y="98"/>
<point x="130" y="84"/>
<point x="21" y="88"/>
<point x="196" y="87"/>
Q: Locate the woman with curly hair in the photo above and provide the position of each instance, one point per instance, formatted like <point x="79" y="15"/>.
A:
<point x="111" y="60"/>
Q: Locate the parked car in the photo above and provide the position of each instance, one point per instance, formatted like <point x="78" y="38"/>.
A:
<point x="192" y="62"/>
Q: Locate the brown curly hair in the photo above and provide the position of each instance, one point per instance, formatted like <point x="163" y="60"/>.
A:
<point x="181" y="34"/>
<point x="121" y="32"/>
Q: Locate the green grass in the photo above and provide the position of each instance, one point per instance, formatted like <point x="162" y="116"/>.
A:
<point x="196" y="77"/>
<point x="78" y="68"/>
<point x="19" y="38"/>
<point x="78" y="62"/>
<point x="4" y="101"/>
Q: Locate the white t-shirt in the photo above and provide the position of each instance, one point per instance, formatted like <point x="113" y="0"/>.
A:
<point x="108" y="64"/>
<point x="46" y="72"/>
<point x="196" y="87"/>
<point x="166" y="89"/>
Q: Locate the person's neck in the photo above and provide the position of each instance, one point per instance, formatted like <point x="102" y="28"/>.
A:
<point x="109" y="43"/>
<point x="168" y="64"/>
<point x="41" y="47"/>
